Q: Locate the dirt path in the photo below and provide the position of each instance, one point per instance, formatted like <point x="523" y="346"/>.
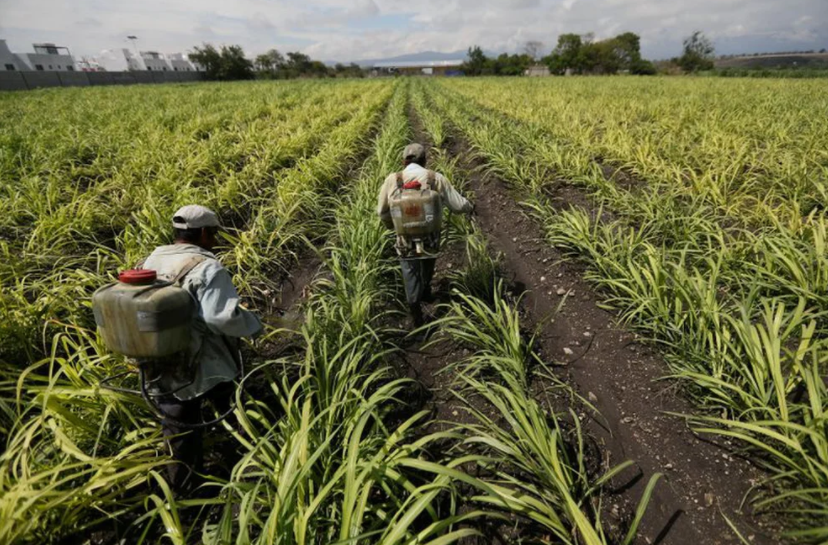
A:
<point x="619" y="376"/>
<point x="424" y="361"/>
<point x="295" y="285"/>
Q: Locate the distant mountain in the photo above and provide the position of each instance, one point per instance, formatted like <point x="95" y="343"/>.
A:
<point x="418" y="57"/>
<point x="421" y="57"/>
<point x="775" y="60"/>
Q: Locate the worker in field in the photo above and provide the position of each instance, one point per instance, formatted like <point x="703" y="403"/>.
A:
<point x="212" y="363"/>
<point x="411" y="202"/>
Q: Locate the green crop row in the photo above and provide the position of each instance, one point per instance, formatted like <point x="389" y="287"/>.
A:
<point x="78" y="456"/>
<point x="258" y="158"/>
<point x="330" y="448"/>
<point x="710" y="239"/>
<point x="534" y="451"/>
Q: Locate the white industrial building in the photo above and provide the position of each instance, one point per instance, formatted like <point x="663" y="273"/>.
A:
<point x="155" y="61"/>
<point x="122" y="60"/>
<point x="46" y="58"/>
<point x="89" y="64"/>
<point x="133" y="62"/>
<point x="180" y="63"/>
<point x="49" y="57"/>
<point x="10" y="61"/>
<point x="537" y="71"/>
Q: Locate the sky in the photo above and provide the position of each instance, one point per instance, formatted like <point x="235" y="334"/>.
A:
<point x="367" y="29"/>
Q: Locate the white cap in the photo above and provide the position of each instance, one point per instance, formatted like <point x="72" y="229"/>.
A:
<point x="415" y="152"/>
<point x="195" y="216"/>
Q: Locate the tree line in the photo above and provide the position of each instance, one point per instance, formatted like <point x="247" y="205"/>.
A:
<point x="478" y="64"/>
<point x="770" y="53"/>
<point x="573" y="54"/>
<point x="230" y="63"/>
<point x="582" y="54"/>
<point x="274" y="65"/>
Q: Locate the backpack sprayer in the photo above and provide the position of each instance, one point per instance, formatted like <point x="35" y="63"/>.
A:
<point x="150" y="321"/>
<point x="417" y="214"/>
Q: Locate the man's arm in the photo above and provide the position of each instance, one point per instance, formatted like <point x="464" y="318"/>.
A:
<point x="455" y="202"/>
<point x="383" y="210"/>
<point x="222" y="311"/>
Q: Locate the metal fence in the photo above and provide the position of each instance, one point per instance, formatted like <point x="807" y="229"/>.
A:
<point x="21" y="81"/>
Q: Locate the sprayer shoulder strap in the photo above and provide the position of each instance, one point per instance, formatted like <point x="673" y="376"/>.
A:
<point x="400" y="180"/>
<point x="431" y="179"/>
<point x="187" y="268"/>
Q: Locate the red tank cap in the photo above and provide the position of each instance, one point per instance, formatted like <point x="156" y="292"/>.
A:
<point x="137" y="276"/>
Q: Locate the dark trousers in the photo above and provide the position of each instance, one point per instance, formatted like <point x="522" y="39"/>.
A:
<point x="185" y="444"/>
<point x="417" y="275"/>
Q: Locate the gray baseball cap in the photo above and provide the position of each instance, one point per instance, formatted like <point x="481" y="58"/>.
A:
<point x="414" y="151"/>
<point x="194" y="216"/>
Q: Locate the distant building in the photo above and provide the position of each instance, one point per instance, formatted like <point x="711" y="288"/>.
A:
<point x="155" y="61"/>
<point x="418" y="68"/>
<point x="10" y="61"/>
<point x="133" y="62"/>
<point x="49" y="57"/>
<point x="180" y="63"/>
<point x="90" y="64"/>
<point x="120" y="60"/>
<point x="537" y="71"/>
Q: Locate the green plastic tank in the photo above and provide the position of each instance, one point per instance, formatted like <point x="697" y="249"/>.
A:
<point x="142" y="317"/>
<point x="416" y="212"/>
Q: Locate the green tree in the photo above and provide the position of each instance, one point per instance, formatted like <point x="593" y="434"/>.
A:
<point x="511" y="65"/>
<point x="296" y="65"/>
<point x="643" y="67"/>
<point x="698" y="53"/>
<point x="583" y="55"/>
<point x="234" y="64"/>
<point x="567" y="54"/>
<point x="228" y="63"/>
<point x="627" y="49"/>
<point x="270" y="61"/>
<point x="318" y="69"/>
<point x="263" y="63"/>
<point x="351" y="71"/>
<point x="208" y="57"/>
<point x="599" y="58"/>
<point x="476" y="63"/>
<point x="299" y="62"/>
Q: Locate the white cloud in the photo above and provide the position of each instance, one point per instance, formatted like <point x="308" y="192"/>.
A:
<point x="337" y="30"/>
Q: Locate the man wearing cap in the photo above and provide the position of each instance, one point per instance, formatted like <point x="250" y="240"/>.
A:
<point x="418" y="270"/>
<point x="210" y="366"/>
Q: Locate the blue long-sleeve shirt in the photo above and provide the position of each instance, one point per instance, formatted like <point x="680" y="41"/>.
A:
<point x="220" y="317"/>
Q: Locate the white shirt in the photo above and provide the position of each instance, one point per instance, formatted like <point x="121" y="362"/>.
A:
<point x="452" y="199"/>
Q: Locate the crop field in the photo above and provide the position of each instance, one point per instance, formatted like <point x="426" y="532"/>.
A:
<point x="628" y="343"/>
